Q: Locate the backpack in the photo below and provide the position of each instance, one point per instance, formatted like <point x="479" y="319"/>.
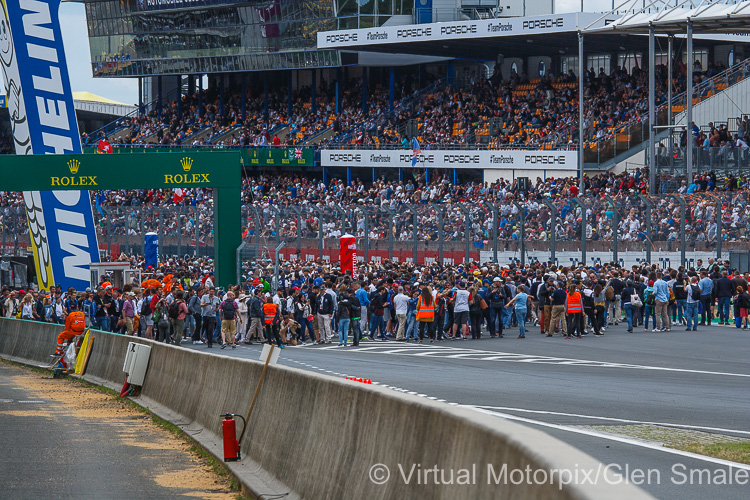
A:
<point x="651" y="299"/>
<point x="174" y="309"/>
<point x="695" y="292"/>
<point x="228" y="308"/>
<point x="146" y="306"/>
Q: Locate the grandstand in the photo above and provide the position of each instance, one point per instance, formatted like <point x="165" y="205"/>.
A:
<point x="452" y="76"/>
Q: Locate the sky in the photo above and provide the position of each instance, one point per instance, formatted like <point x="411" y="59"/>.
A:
<point x="75" y="38"/>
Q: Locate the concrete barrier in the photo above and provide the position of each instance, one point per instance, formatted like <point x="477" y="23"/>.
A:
<point x="320" y="437"/>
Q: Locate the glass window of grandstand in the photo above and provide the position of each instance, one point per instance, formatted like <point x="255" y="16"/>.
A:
<point x="629" y="61"/>
<point x="568" y="63"/>
<point x="699" y="55"/>
<point x="600" y="63"/>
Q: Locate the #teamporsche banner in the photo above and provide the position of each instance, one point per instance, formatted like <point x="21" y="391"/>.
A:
<point x="40" y="104"/>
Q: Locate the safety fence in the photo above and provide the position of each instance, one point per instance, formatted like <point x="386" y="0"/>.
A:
<point x="453" y="231"/>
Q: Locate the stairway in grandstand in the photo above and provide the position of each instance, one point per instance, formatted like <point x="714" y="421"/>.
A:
<point x="719" y="100"/>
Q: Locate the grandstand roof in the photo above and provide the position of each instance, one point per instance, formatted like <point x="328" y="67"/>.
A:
<point x="717" y="17"/>
<point x="89" y="97"/>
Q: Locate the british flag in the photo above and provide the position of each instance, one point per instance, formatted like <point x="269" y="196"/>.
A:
<point x="297" y="153"/>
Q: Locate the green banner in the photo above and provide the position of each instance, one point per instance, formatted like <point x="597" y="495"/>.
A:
<point x="249" y="157"/>
<point x="188" y="169"/>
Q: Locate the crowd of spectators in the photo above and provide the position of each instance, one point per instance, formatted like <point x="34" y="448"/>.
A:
<point x="134" y="212"/>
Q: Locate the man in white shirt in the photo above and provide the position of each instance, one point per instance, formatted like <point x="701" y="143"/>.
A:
<point x="401" y="304"/>
<point x="461" y="310"/>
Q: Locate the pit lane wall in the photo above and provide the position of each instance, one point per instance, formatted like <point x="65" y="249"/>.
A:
<point x="324" y="437"/>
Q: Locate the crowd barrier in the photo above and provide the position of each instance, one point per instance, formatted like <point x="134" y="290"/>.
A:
<point x="320" y="437"/>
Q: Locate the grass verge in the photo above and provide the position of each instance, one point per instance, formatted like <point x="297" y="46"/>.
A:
<point x="194" y="447"/>
<point x="734" y="452"/>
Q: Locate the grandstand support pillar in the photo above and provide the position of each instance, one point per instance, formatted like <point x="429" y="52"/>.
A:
<point x="391" y="90"/>
<point x="298" y="212"/>
<point x="581" y="80"/>
<point x="179" y="230"/>
<point x="256" y="217"/>
<point x="450" y="74"/>
<point x="651" y="110"/>
<point x="467" y="227"/>
<point x="400" y="174"/>
<point x="313" y="92"/>
<point x="348" y="176"/>
<point x="265" y="96"/>
<point x="427" y="175"/>
<point x="441" y="234"/>
<point x="670" y="63"/>
<point x="414" y="232"/>
<point x="455" y="176"/>
<point x="615" y="226"/>
<point x="364" y="90"/>
<point x="522" y="228"/>
<point x="158" y="95"/>
<point x="179" y="97"/>
<point x="493" y="209"/>
<point x="140" y="96"/>
<point x="689" y="142"/>
<point x="221" y="95"/>
<point x="289" y="98"/>
<point x="325" y="175"/>
<point x="717" y="218"/>
<point x="649" y="205"/>
<point x="243" y="100"/>
<point x="320" y="231"/>
<point x="552" y="226"/>
<point x="584" y="223"/>
<point x="338" y="97"/>
<point x="374" y="175"/>
<point x="683" y="209"/>
<point x="200" y="95"/>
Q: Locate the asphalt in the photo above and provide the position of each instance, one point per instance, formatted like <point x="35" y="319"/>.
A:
<point x="694" y="381"/>
<point x="49" y="452"/>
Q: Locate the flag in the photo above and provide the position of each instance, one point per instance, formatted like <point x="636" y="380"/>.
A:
<point x="100" y="197"/>
<point x="297" y="153"/>
<point x="104" y="146"/>
<point x="178" y="195"/>
<point x="415" y="151"/>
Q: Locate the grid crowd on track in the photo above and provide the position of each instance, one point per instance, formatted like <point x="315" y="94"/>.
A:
<point x="315" y="303"/>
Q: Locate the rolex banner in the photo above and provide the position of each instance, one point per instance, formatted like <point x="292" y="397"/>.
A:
<point x="40" y="104"/>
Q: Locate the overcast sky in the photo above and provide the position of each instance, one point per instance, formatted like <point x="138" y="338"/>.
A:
<point x="75" y="37"/>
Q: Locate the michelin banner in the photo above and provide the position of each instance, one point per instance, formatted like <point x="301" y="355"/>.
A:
<point x="43" y="120"/>
<point x="485" y="159"/>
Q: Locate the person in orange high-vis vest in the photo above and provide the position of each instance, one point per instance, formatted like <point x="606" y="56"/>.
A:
<point x="75" y="324"/>
<point x="426" y="314"/>
<point x="575" y="312"/>
<point x="272" y="321"/>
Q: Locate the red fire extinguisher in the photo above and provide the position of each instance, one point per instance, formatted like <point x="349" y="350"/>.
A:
<point x="229" y="434"/>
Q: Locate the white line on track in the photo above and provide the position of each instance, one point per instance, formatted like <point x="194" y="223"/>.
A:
<point x="609" y="437"/>
<point x="612" y="419"/>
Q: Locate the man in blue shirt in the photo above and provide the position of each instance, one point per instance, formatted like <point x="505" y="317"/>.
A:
<point x="364" y="301"/>
<point x="661" y="296"/>
<point x="706" y="285"/>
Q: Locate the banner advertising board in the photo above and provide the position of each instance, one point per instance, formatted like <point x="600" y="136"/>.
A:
<point x="43" y="120"/>
<point x="402" y="158"/>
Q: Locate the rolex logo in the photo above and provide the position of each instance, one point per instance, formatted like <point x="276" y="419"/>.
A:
<point x="74" y="165"/>
<point x="187" y="164"/>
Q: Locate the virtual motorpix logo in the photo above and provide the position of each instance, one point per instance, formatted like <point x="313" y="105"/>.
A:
<point x="342" y="38"/>
<point x="186" y="178"/>
<point x="73" y="179"/>
<point x="544" y="24"/>
<point x="545" y="159"/>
